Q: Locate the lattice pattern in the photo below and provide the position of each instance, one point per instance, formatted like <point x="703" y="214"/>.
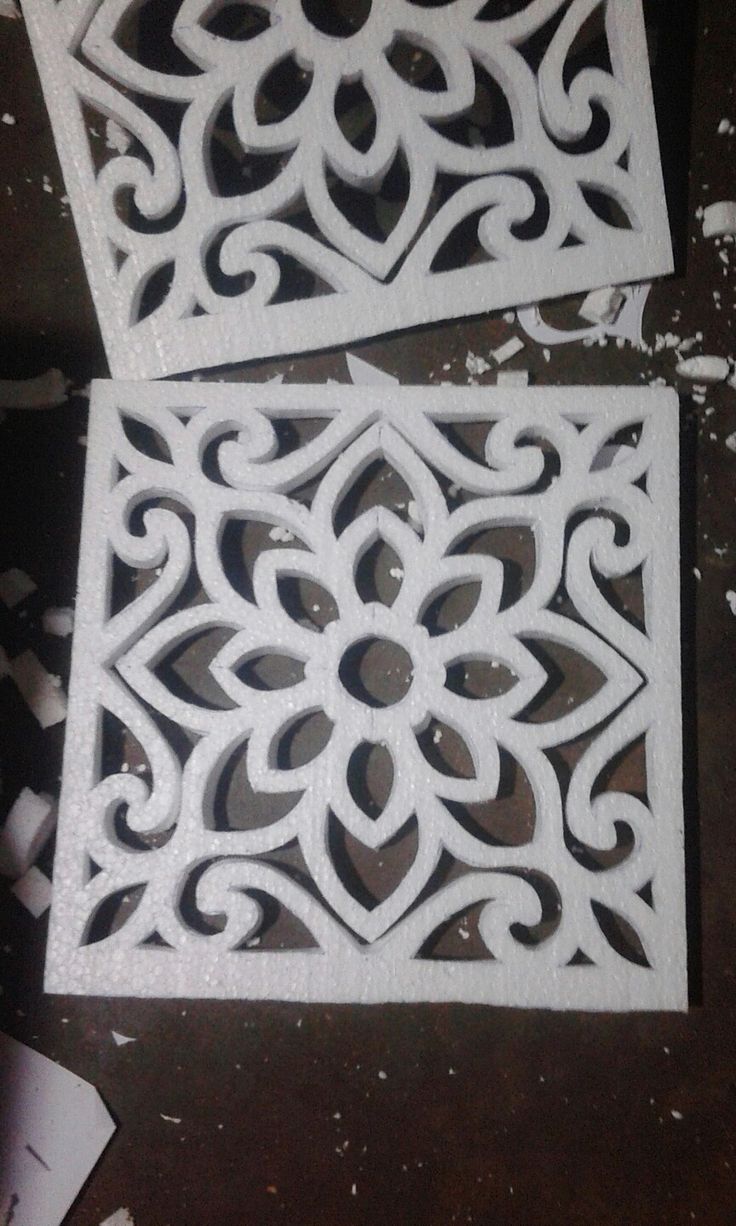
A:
<point x="375" y="695"/>
<point x="287" y="178"/>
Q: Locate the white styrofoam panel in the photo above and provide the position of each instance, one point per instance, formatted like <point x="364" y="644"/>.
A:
<point x="273" y="187"/>
<point x="220" y="499"/>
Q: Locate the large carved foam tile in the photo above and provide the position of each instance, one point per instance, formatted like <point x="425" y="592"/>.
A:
<point x="375" y="696"/>
<point x="289" y="174"/>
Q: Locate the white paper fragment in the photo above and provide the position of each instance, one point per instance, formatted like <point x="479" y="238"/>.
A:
<point x="512" y="378"/>
<point x="369" y="284"/>
<point x="121" y="1217"/>
<point x="55" y="1127"/>
<point x="120" y="1040"/>
<point x="33" y="890"/>
<point x="9" y="8"/>
<point x="24" y="833"/>
<point x="628" y="325"/>
<point x="46" y="699"/>
<point x="366" y="375"/>
<point x="508" y="350"/>
<point x="59" y="622"/>
<point x="719" y="219"/>
<point x="372" y="953"/>
<point x="42" y="392"/>
<point x="15" y="586"/>
<point x="602" y="306"/>
<point x="706" y="368"/>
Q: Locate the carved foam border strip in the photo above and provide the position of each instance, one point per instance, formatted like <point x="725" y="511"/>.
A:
<point x="370" y="284"/>
<point x="158" y="509"/>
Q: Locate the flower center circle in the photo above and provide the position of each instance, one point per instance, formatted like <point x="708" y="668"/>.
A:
<point x="338" y="18"/>
<point x="377" y="672"/>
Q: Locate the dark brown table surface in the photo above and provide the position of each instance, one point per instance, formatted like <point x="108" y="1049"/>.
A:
<point x="485" y="1116"/>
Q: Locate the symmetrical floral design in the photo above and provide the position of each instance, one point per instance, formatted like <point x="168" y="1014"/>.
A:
<point x="423" y="162"/>
<point x="157" y="890"/>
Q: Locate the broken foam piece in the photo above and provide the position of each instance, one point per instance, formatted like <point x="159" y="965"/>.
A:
<point x="33" y="890"/>
<point x="719" y="219"/>
<point x="43" y="695"/>
<point x="15" y="586"/>
<point x="706" y="368"/>
<point x="24" y="832"/>
<point x="256" y="267"/>
<point x="332" y="943"/>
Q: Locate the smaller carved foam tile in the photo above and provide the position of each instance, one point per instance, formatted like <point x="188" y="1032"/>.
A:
<point x="249" y="179"/>
<point x="375" y="696"/>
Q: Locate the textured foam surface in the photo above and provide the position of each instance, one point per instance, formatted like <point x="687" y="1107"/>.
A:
<point x="277" y="182"/>
<point x="491" y="811"/>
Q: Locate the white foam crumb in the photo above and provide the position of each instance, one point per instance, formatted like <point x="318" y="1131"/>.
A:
<point x="547" y="354"/>
<point x="44" y="391"/>
<point x="58" y="621"/>
<point x="697" y="573"/>
<point x="463" y="934"/>
<point x="381" y="1075"/>
<point x="731" y="601"/>
<point x="121" y="1217"/>
<point x="116" y="137"/>
<point x="447" y="365"/>
<point x="707" y="368"/>
<point x="27" y="827"/>
<point x="120" y="1040"/>
<point x="676" y="1115"/>
<point x="475" y="364"/>
<point x="602" y="306"/>
<point x="15" y="586"/>
<point x="9" y="119"/>
<point x="170" y="1119"/>
<point x="396" y="572"/>
<point x="509" y="317"/>
<point x="731" y="441"/>
<point x="33" y="890"/>
<point x="46" y="185"/>
<point x="512" y="378"/>
<point x="42" y="692"/>
<point x="354" y="1190"/>
<point x="725" y="127"/>
<point x="719" y="219"/>
<point x="508" y="350"/>
<point x="8" y="8"/>
<point x="283" y="535"/>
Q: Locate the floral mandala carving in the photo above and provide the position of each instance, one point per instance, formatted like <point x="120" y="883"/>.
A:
<point x="161" y="889"/>
<point x="424" y="162"/>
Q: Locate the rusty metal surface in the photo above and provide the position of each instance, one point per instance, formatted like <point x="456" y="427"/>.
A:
<point x="484" y="1116"/>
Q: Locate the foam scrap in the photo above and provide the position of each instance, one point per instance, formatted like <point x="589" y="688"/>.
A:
<point x="512" y="378"/>
<point x="15" y="585"/>
<point x="603" y="306"/>
<point x="45" y="698"/>
<point x="508" y="350"/>
<point x="45" y="391"/>
<point x="121" y="1217"/>
<point x="120" y="1040"/>
<point x="707" y="368"/>
<point x="26" y="829"/>
<point x="719" y="219"/>
<point x="33" y="890"/>
<point x="58" y="621"/>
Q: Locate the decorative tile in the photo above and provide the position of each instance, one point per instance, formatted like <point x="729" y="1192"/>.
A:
<point x="375" y="696"/>
<point x="276" y="177"/>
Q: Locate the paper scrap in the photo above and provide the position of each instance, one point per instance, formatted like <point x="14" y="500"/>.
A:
<point x="15" y="585"/>
<point x="55" y="1129"/>
<point x="33" y="890"/>
<point x="46" y="700"/>
<point x="26" y="829"/>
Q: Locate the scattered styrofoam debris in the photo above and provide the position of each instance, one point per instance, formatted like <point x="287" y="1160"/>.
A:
<point x="8" y="8"/>
<point x="602" y="306"/>
<point x="707" y="368"/>
<point x="120" y="1040"/>
<point x="116" y="137"/>
<point x="15" y="585"/>
<point x="475" y="364"/>
<point x="282" y="535"/>
<point x="121" y="1217"/>
<point x="719" y="219"/>
<point x="27" y="827"/>
<point x="33" y="890"/>
<point x="731" y="441"/>
<point x="364" y="374"/>
<point x="170" y="1119"/>
<point x="726" y="128"/>
<point x="512" y="378"/>
<point x="8" y="119"/>
<point x="45" y="391"/>
<point x="628" y="325"/>
<point x="58" y="621"/>
<point x="731" y="601"/>
<point x="507" y="351"/>
<point x="46" y="699"/>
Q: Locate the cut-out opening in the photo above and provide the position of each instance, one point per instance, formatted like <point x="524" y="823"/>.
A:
<point x="236" y="805"/>
<point x="371" y="875"/>
<point x="445" y="750"/>
<point x="379" y="574"/>
<point x="302" y="740"/>
<point x="371" y="777"/>
<point x="377" y="671"/>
